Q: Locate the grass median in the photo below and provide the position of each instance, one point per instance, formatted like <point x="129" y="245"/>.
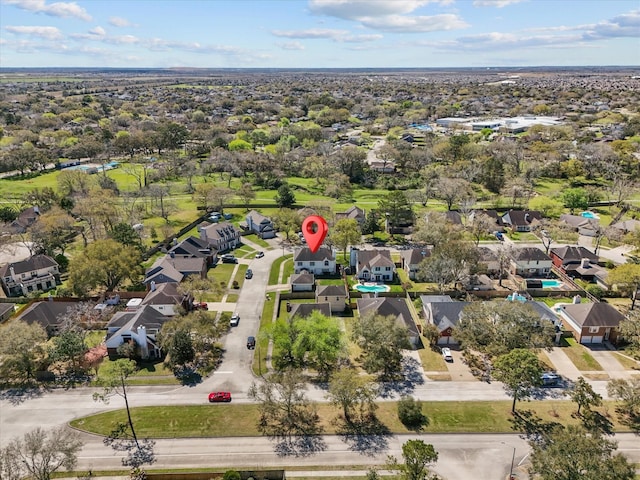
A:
<point x="240" y="420"/>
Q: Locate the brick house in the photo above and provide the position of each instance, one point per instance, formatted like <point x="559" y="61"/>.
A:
<point x="591" y="322"/>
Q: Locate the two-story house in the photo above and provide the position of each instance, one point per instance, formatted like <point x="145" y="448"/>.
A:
<point x="220" y="236"/>
<point x="334" y="295"/>
<point x="167" y="299"/>
<point x="36" y="273"/>
<point x="530" y="262"/>
<point x="322" y="262"/>
<point x="260" y="225"/>
<point x="444" y="313"/>
<point x="374" y="265"/>
<point x="193" y="247"/>
<point x="412" y="258"/>
<point x="591" y="322"/>
<point x="577" y="262"/>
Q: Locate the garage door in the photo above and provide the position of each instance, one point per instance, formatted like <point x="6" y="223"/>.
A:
<point x="596" y="339"/>
<point x="586" y="339"/>
<point x="446" y="340"/>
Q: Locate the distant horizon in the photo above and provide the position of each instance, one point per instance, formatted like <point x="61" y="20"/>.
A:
<point x="328" y="34"/>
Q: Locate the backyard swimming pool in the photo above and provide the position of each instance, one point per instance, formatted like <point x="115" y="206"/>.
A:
<point x="551" y="283"/>
<point x="371" y="288"/>
<point x="589" y="214"/>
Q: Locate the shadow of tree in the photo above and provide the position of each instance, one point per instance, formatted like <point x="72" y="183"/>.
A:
<point x="18" y="395"/>
<point x="367" y="436"/>
<point x="405" y="382"/>
<point x="188" y="376"/>
<point x="300" y="446"/>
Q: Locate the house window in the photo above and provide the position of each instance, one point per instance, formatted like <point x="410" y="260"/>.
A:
<point x="594" y="329"/>
<point x="299" y="264"/>
<point x="337" y="299"/>
<point x="312" y="264"/>
<point x="326" y="263"/>
<point x="388" y="269"/>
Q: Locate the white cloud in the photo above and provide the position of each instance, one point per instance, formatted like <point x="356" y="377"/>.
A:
<point x="290" y="46"/>
<point x="98" y="31"/>
<point x="389" y="16"/>
<point x="495" y="3"/>
<point x="310" y="33"/>
<point x="57" y="9"/>
<point x="119" y="22"/>
<point x="50" y="33"/>
<point x="624" y="25"/>
<point x="356" y="9"/>
<point x="408" y="24"/>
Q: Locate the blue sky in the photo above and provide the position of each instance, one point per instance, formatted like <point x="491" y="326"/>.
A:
<point x="318" y="33"/>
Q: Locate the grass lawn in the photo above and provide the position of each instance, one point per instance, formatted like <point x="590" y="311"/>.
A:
<point x="274" y="275"/>
<point x="431" y="360"/>
<point x="262" y="341"/>
<point x="232" y="297"/>
<point x="258" y="241"/>
<point x="626" y="362"/>
<point x="94" y="338"/>
<point x="579" y="355"/>
<point x="544" y="359"/>
<point x="214" y="420"/>
<point x="221" y="273"/>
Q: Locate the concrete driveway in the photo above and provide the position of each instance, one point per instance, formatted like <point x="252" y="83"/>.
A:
<point x="563" y="365"/>
<point x="608" y="360"/>
<point x="458" y="369"/>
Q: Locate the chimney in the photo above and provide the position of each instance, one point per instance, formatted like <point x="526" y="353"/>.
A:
<point x="12" y="271"/>
<point x="36" y="210"/>
<point x="585" y="263"/>
<point x="172" y="254"/>
<point x="577" y="299"/>
<point x="153" y="286"/>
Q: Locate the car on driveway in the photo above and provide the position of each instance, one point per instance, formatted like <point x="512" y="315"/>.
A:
<point x="235" y="320"/>
<point x="446" y="354"/>
<point x="228" y="258"/>
<point x="249" y="274"/>
<point x="215" y="397"/>
<point x="259" y="254"/>
<point x="251" y="343"/>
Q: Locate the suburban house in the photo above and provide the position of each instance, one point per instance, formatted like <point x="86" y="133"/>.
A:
<point x="591" y="322"/>
<point x="374" y="265"/>
<point x="521" y="220"/>
<point x="443" y="312"/>
<point x="221" y="236"/>
<point x="322" y="262"/>
<point x="334" y="295"/>
<point x="584" y="226"/>
<point x="36" y="273"/>
<point x="530" y="262"/>
<point x="6" y="310"/>
<point x="260" y="225"/>
<point x="161" y="272"/>
<point x="193" y="247"/>
<point x="25" y="219"/>
<point x="626" y="226"/>
<point x="394" y="307"/>
<point x="140" y="326"/>
<point x="577" y="262"/>
<point x="489" y="260"/>
<point x="166" y="299"/>
<point x="302" y="282"/>
<point x="303" y="310"/>
<point x="48" y="313"/>
<point x="411" y="259"/>
<point x="353" y="213"/>
<point x="494" y="216"/>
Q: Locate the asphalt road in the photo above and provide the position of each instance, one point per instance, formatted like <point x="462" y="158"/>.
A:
<point x="461" y="456"/>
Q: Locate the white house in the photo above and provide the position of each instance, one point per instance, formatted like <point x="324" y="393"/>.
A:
<point x="260" y="225"/>
<point x="322" y="262"/>
<point x="220" y="236"/>
<point x="37" y="273"/>
<point x="140" y="326"/>
<point x="374" y="265"/>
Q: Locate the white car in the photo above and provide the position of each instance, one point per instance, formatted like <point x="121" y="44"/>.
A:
<point x="235" y="320"/>
<point x="446" y="354"/>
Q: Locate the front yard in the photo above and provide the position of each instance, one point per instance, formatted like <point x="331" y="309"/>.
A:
<point x="579" y="355"/>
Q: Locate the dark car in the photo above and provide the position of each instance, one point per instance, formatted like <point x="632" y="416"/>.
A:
<point x="249" y="274"/>
<point x="251" y="343"/>
<point x="219" y="397"/>
<point x="228" y="258"/>
<point x="499" y="236"/>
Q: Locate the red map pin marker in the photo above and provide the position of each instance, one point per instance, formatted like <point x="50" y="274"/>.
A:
<point x="314" y="229"/>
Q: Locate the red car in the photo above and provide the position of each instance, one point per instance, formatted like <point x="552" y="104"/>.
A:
<point x="220" y="397"/>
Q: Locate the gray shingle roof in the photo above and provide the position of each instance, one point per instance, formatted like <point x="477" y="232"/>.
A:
<point x="593" y="314"/>
<point x="387" y="306"/>
<point x="29" y="265"/>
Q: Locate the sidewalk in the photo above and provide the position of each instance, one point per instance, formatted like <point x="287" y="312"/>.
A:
<point x="564" y="366"/>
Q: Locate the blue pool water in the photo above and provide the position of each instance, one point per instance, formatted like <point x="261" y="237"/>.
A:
<point x="551" y="283"/>
<point x="588" y="215"/>
<point x="371" y="288"/>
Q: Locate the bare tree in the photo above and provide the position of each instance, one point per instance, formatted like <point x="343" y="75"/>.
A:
<point x="40" y="453"/>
